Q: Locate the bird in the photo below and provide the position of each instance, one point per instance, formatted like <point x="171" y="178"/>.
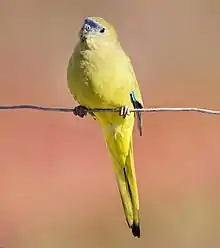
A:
<point x="100" y="75"/>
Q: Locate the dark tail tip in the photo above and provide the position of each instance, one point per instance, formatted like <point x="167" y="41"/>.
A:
<point x="136" y="230"/>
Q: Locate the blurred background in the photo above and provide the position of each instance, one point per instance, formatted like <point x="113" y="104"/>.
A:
<point x="57" y="187"/>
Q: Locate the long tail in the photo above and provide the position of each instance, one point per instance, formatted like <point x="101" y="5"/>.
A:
<point x="120" y="146"/>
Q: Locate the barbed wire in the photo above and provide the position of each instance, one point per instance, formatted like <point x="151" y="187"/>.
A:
<point x="93" y="110"/>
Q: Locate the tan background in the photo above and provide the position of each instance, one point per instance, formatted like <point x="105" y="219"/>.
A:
<point x="57" y="187"/>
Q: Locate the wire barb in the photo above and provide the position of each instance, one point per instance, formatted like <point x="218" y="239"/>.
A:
<point x="60" y="109"/>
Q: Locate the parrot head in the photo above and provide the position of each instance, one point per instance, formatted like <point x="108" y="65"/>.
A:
<point x="96" y="29"/>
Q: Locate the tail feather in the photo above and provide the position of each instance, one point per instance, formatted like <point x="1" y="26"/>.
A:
<point x="136" y="230"/>
<point x="136" y="222"/>
<point x="126" y="179"/>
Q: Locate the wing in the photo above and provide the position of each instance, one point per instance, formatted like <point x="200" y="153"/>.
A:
<point x="137" y="105"/>
<point x="137" y="101"/>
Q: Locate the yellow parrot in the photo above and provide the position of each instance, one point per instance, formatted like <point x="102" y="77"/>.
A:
<point x="100" y="75"/>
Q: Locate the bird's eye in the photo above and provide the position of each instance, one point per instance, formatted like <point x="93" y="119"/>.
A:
<point x="102" y="30"/>
<point x="87" y="27"/>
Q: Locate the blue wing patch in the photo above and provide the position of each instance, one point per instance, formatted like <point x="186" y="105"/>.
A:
<point x="133" y="97"/>
<point x="136" y="105"/>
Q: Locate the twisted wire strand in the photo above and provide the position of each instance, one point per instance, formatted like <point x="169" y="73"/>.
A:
<point x="93" y="110"/>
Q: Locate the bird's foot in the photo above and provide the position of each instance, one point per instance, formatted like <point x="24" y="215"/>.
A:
<point x="124" y="111"/>
<point x="80" y="111"/>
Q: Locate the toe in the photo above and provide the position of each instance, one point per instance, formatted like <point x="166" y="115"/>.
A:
<point x="127" y="112"/>
<point x="124" y="111"/>
<point x="82" y="111"/>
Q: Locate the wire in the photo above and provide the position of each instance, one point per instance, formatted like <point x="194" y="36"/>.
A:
<point x="60" y="109"/>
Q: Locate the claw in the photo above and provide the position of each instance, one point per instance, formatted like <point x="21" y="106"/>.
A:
<point x="124" y="111"/>
<point x="80" y="111"/>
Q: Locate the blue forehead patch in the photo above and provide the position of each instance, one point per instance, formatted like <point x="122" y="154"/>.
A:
<point x="92" y="23"/>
